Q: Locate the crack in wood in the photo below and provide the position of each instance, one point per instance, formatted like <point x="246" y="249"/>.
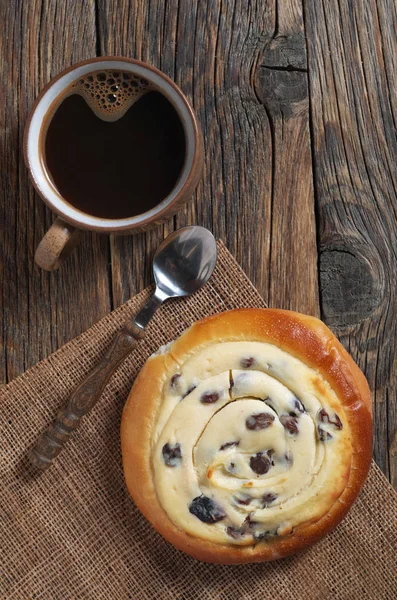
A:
<point x="289" y="68"/>
<point x="286" y="52"/>
<point x="97" y="28"/>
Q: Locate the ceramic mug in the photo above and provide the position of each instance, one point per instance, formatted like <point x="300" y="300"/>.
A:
<point x="63" y="235"/>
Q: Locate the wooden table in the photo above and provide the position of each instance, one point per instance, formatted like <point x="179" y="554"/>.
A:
<point x="298" y="105"/>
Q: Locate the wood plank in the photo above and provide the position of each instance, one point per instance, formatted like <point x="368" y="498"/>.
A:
<point x="282" y="85"/>
<point x="41" y="311"/>
<point x="353" y="77"/>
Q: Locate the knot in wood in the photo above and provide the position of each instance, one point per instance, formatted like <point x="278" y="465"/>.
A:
<point x="283" y="92"/>
<point x="350" y="288"/>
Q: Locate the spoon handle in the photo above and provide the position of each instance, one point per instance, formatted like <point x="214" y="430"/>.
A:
<point x="84" y="397"/>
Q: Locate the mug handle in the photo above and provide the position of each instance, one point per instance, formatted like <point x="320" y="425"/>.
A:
<point x="56" y="245"/>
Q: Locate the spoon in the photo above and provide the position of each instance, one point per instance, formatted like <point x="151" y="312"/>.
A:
<point x="182" y="264"/>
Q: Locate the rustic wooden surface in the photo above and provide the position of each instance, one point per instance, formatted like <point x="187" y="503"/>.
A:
<point x="298" y="107"/>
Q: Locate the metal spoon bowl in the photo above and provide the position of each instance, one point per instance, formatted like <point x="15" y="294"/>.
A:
<point x="183" y="263"/>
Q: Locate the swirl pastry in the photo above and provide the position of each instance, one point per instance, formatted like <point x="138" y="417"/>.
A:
<point x="249" y="437"/>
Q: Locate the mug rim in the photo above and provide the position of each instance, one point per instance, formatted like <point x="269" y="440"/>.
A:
<point x="191" y="167"/>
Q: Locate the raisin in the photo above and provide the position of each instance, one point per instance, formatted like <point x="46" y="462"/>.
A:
<point x="269" y="498"/>
<point x="206" y="510"/>
<point x="260" y="463"/>
<point x="229" y="445"/>
<point x="209" y="397"/>
<point x="290" y="423"/>
<point x="264" y="535"/>
<point x="323" y="435"/>
<point x="234" y="532"/>
<point x="172" y="455"/>
<point x="192" y="387"/>
<point x="249" y="525"/>
<point x="337" y="422"/>
<point x="259" y="421"/>
<point x="325" y="418"/>
<point x="246" y="363"/>
<point x="244" y="501"/>
<point x="231" y="468"/>
<point x="174" y="379"/>
<point x="299" y="406"/>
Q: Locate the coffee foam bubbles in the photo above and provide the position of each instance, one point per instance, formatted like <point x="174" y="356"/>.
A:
<point x="111" y="93"/>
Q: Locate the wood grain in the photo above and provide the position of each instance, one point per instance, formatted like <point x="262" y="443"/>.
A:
<point x="279" y="87"/>
<point x="282" y="85"/>
<point x="353" y="77"/>
<point x="41" y="311"/>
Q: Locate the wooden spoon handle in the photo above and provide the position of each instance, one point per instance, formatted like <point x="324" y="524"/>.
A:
<point x="84" y="397"/>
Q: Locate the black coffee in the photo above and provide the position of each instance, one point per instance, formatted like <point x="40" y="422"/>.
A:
<point x="115" y="146"/>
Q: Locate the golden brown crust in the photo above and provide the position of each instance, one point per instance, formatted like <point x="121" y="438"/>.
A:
<point x="302" y="336"/>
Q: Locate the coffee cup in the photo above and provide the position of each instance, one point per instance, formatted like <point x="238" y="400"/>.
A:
<point x="113" y="146"/>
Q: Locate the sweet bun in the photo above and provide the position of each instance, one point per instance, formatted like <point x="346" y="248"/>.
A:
<point x="249" y="437"/>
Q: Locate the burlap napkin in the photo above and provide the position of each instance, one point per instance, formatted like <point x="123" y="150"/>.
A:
<point x="73" y="532"/>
